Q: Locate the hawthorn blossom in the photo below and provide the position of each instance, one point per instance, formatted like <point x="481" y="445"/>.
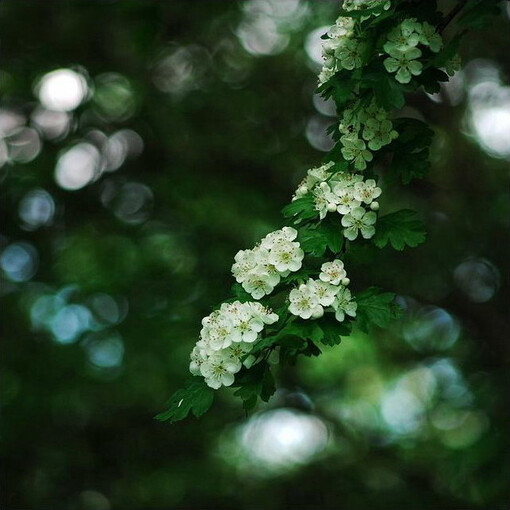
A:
<point x="226" y="339"/>
<point x="366" y="191"/>
<point x="332" y="272"/>
<point x="404" y="63"/>
<point x="344" y="304"/>
<point x="304" y="302"/>
<point x="259" y="270"/>
<point x="355" y="150"/>
<point x="359" y="220"/>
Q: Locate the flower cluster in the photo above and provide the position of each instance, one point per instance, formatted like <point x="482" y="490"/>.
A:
<point x="310" y="299"/>
<point x="227" y="336"/>
<point x="362" y="128"/>
<point x="259" y="270"/>
<point x="341" y="50"/>
<point x="403" y="51"/>
<point x="345" y="193"/>
<point x="360" y="5"/>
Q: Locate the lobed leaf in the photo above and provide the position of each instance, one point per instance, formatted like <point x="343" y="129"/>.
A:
<point x="400" y="229"/>
<point x="196" y="397"/>
<point x="376" y="308"/>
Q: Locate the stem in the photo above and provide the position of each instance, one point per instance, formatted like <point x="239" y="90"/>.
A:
<point x="451" y="15"/>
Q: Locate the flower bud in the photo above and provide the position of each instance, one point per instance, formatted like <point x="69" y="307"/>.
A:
<point x="374" y="206"/>
<point x="345" y="281"/>
<point x="324" y="185"/>
<point x="302" y="190"/>
<point x="331" y="207"/>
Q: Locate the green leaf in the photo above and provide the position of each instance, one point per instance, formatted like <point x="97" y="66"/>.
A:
<point x="333" y="330"/>
<point x="312" y="241"/>
<point x="317" y="238"/>
<point x="388" y="92"/>
<point x="196" y="397"/>
<point x="414" y="134"/>
<point x="410" y="150"/>
<point x="239" y="294"/>
<point x="332" y="232"/>
<point x="449" y="51"/>
<point x="254" y="383"/>
<point x="376" y="308"/>
<point x="407" y="166"/>
<point x="430" y="79"/>
<point x="301" y="209"/>
<point x="400" y="229"/>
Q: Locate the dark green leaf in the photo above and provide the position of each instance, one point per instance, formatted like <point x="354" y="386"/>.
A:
<point x="254" y="383"/>
<point x="376" y="308"/>
<point x="400" y="229"/>
<point x="388" y="92"/>
<point x="334" y="330"/>
<point x="196" y="397"/>
<point x="301" y="209"/>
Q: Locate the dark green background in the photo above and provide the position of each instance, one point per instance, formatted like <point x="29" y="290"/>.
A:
<point x="416" y="417"/>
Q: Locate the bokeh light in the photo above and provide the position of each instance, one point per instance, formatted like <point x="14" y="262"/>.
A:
<point x="19" y="261"/>
<point x="280" y="439"/>
<point x="62" y="90"/>
<point x="36" y="209"/>
<point x="477" y="278"/>
<point x="77" y="166"/>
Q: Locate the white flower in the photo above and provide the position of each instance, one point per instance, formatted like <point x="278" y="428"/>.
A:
<point x="259" y="270"/>
<point x="332" y="272"/>
<point x="355" y="150"/>
<point x="247" y="325"/>
<point x="325" y="200"/>
<point x="357" y="5"/>
<point x="347" y="200"/>
<point x="304" y="303"/>
<point x="325" y="292"/>
<point x="273" y="238"/>
<point x="359" y="220"/>
<point x="218" y="370"/>
<point x="245" y="261"/>
<point x="397" y="40"/>
<point x="429" y="37"/>
<point x="197" y="357"/>
<point x="259" y="284"/>
<point x="404" y="63"/>
<point x="286" y="256"/>
<point x="259" y="311"/>
<point x="366" y="191"/>
<point x="220" y="333"/>
<point x="344" y="304"/>
<point x="350" y="54"/>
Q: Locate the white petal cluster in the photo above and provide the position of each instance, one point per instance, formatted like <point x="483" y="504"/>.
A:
<point x="228" y="335"/>
<point x="403" y="51"/>
<point x="364" y="128"/>
<point x="310" y="299"/>
<point x="346" y="194"/>
<point x="259" y="270"/>
<point x="359" y="5"/>
<point x="341" y="50"/>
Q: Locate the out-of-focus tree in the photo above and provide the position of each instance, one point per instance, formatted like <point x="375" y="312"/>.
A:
<point x="142" y="144"/>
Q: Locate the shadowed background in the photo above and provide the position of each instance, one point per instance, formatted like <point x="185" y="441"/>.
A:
<point x="142" y="143"/>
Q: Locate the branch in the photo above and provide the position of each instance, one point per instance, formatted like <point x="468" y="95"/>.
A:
<point x="451" y="15"/>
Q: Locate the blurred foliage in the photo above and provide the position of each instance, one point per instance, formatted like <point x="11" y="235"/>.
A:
<point x="179" y="134"/>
